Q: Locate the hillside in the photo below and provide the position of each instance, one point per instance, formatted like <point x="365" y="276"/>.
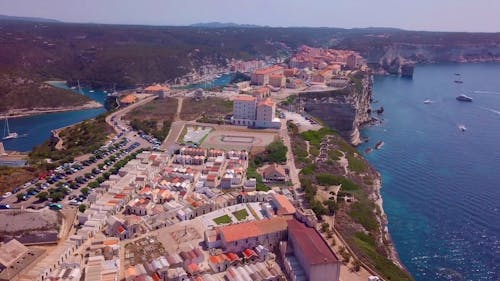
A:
<point x="101" y="56"/>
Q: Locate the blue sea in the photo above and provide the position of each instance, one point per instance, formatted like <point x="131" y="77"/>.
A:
<point x="36" y="129"/>
<point x="441" y="186"/>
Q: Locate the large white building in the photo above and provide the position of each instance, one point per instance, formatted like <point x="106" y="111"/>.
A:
<point x="248" y="111"/>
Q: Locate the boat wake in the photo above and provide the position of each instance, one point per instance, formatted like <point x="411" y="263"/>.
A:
<point x="491" y="110"/>
<point x="487" y="92"/>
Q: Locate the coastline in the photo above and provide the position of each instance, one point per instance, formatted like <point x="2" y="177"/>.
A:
<point x="383" y="221"/>
<point x="24" y="112"/>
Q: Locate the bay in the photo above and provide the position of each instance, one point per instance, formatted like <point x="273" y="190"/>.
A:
<point x="34" y="130"/>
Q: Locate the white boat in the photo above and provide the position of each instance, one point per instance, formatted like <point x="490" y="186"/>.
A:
<point x="91" y="91"/>
<point x="462" y="128"/>
<point x="7" y="134"/>
<point x="427" y="101"/>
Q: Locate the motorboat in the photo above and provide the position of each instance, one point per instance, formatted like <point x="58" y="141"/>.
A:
<point x="464" y="98"/>
<point x="427" y="101"/>
<point x="379" y="145"/>
<point x="462" y="128"/>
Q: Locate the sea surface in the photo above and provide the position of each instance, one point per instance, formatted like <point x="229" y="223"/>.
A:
<point x="34" y="130"/>
<point x="221" y="81"/>
<point x="441" y="186"/>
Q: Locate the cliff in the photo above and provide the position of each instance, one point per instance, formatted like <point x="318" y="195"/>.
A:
<point x="343" y="110"/>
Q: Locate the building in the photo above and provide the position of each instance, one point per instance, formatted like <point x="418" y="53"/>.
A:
<point x="273" y="173"/>
<point x="266" y="114"/>
<point x="261" y="76"/>
<point x="128" y="99"/>
<point x="277" y="80"/>
<point x="266" y="232"/>
<point x="283" y="205"/>
<point x="156" y="89"/>
<point x="351" y="61"/>
<point x="244" y="108"/>
<point x="312" y="252"/>
<point x="16" y="258"/>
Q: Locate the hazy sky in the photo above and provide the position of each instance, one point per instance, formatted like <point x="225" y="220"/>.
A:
<point x="442" y="15"/>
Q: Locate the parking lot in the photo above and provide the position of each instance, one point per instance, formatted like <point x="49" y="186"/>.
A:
<point x="304" y="122"/>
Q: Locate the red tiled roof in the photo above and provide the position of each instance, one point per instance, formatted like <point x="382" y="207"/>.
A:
<point x="308" y="241"/>
<point x="244" y="98"/>
<point x="245" y="230"/>
<point x="286" y="207"/>
<point x="269" y="69"/>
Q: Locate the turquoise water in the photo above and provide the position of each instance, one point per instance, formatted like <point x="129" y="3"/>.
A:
<point x="441" y="186"/>
<point x="36" y="129"/>
<point x="222" y="81"/>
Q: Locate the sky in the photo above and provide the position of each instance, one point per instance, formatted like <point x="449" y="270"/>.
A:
<point x="431" y="15"/>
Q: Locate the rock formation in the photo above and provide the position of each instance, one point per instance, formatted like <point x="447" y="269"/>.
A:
<point x="343" y="110"/>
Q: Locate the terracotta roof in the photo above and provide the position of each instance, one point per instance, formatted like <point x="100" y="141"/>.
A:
<point x="244" y="98"/>
<point x="266" y="102"/>
<point x="245" y="230"/>
<point x="307" y="241"/>
<point x="129" y="99"/>
<point x="274" y="168"/>
<point x="156" y="88"/>
<point x="286" y="207"/>
<point x="269" y="69"/>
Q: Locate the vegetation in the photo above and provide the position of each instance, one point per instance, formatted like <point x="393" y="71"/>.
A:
<point x="241" y="214"/>
<point x="211" y="108"/>
<point x="328" y="179"/>
<point x="155" y="117"/>
<point x="43" y="196"/>
<point x="78" y="139"/>
<point x="356" y="164"/>
<point x="360" y="213"/>
<point x="225" y="219"/>
<point x="82" y="208"/>
<point x="275" y="152"/>
<point x="382" y="264"/>
<point x="11" y="177"/>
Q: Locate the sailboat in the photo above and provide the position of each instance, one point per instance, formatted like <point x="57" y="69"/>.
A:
<point x="7" y="135"/>
<point x="79" y="87"/>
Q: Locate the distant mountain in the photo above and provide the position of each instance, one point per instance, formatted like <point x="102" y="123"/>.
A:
<point x="33" y="19"/>
<point x="216" y="24"/>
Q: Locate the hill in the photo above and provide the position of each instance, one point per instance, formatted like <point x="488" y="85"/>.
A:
<point x="32" y="19"/>
<point x="101" y="56"/>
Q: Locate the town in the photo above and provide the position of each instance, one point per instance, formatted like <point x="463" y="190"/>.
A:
<point x="193" y="206"/>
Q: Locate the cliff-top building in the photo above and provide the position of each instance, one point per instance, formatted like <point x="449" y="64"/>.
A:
<point x="248" y="111"/>
<point x="261" y="76"/>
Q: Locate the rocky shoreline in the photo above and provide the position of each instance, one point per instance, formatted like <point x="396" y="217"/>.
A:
<point x="24" y="112"/>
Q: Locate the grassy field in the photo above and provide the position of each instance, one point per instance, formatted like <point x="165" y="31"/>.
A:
<point x="241" y="214"/>
<point x="210" y="108"/>
<point x="11" y="177"/>
<point x="154" y="117"/>
<point x="225" y="219"/>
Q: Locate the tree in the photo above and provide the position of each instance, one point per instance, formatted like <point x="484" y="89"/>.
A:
<point x="100" y="166"/>
<point x="85" y="190"/>
<point x="42" y="196"/>
<point x="331" y="206"/>
<point x="20" y="196"/>
<point x="31" y="189"/>
<point x="324" y="227"/>
<point x="356" y="265"/>
<point x="93" y="184"/>
<point x="82" y="208"/>
<point x="56" y="196"/>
